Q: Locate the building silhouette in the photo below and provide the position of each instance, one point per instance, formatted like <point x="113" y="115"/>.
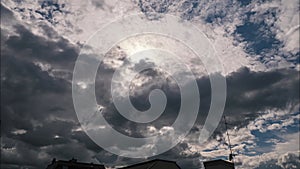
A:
<point x="218" y="164"/>
<point x="73" y="164"/>
<point x="154" y="164"/>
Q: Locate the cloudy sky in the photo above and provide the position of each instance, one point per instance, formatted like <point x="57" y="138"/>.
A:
<point x="257" y="41"/>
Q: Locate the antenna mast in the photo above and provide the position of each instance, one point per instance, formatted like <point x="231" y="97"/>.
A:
<point x="229" y="144"/>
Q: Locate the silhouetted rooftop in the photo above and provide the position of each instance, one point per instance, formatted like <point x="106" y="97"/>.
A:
<point x="154" y="164"/>
<point x="73" y="164"/>
<point x="218" y="164"/>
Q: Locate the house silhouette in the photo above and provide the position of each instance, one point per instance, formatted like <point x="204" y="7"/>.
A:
<point x="73" y="164"/>
<point x="218" y="164"/>
<point x="154" y="164"/>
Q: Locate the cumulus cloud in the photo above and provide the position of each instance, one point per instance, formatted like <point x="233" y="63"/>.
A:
<point x="38" y="56"/>
<point x="44" y="121"/>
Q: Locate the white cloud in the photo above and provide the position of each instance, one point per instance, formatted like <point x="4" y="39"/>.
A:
<point x="289" y="160"/>
<point x="267" y="121"/>
<point x="19" y="132"/>
<point x="284" y="25"/>
<point x="291" y="144"/>
<point x="288" y="24"/>
<point x="244" y="143"/>
<point x="79" y="20"/>
<point x="84" y="18"/>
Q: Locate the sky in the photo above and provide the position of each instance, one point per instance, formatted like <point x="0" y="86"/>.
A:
<point x="257" y="42"/>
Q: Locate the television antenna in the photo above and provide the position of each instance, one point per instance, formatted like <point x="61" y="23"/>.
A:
<point x="231" y="155"/>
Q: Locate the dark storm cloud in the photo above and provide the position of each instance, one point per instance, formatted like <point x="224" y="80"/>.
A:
<point x="38" y="102"/>
<point x="44" y="135"/>
<point x="34" y="48"/>
<point x="18" y="154"/>
<point x="6" y="14"/>
<point x="248" y="95"/>
<point x="28" y="91"/>
<point x="250" y="92"/>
